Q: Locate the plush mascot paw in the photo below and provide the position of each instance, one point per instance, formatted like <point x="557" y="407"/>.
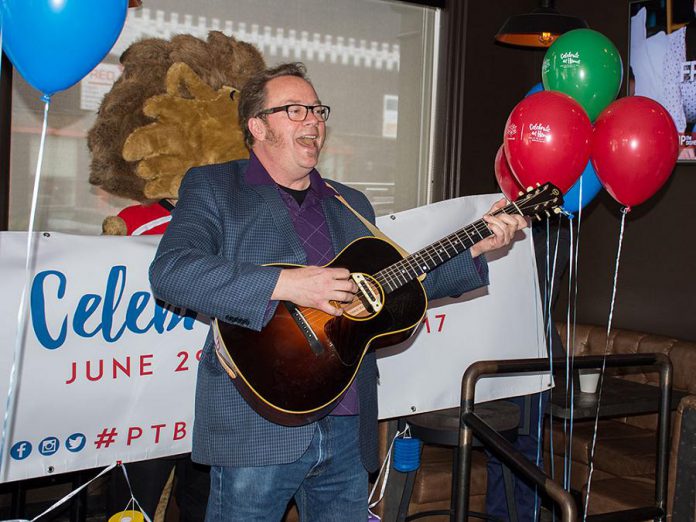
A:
<point x="194" y="125"/>
<point x="114" y="226"/>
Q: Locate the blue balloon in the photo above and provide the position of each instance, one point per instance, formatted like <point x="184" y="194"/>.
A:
<point x="55" y="43"/>
<point x="590" y="188"/>
<point x="537" y="88"/>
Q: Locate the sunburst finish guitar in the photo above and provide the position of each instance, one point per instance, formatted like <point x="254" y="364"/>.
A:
<point x="299" y="366"/>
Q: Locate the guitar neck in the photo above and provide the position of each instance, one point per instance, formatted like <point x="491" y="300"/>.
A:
<point x="432" y="256"/>
<point x="537" y="203"/>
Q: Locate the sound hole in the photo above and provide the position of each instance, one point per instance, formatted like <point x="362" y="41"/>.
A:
<point x="367" y="302"/>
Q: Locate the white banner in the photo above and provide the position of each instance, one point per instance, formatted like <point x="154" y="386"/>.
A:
<point x="108" y="375"/>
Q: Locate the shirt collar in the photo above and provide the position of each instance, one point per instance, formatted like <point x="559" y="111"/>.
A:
<point x="256" y="174"/>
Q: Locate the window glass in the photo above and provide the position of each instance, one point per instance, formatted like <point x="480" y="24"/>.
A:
<point x="371" y="61"/>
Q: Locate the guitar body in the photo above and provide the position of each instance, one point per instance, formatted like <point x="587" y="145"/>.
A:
<point x="292" y="381"/>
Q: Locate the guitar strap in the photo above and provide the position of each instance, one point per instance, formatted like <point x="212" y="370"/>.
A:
<point x="375" y="231"/>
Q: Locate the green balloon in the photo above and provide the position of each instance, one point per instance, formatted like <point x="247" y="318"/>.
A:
<point x="585" y="65"/>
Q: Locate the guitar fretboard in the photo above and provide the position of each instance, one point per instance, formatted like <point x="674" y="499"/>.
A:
<point x="432" y="256"/>
<point x="534" y="204"/>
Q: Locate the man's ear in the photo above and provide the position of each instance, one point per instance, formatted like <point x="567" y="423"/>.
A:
<point x="257" y="128"/>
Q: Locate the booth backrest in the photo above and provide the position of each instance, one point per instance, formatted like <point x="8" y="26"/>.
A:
<point x="592" y="340"/>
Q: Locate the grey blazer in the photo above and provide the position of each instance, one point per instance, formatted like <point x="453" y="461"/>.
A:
<point x="209" y="261"/>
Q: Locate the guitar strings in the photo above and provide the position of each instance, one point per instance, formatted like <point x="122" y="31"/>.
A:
<point x="393" y="277"/>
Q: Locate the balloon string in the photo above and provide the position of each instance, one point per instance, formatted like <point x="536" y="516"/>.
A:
<point x="543" y="312"/>
<point x="549" y="275"/>
<point x="571" y="321"/>
<point x="549" y="325"/>
<point x="133" y="502"/>
<point x="568" y="425"/>
<point x="15" y="371"/>
<point x="567" y="371"/>
<point x="547" y="270"/>
<point x="383" y="475"/>
<point x="624" y="211"/>
<point x="74" y="492"/>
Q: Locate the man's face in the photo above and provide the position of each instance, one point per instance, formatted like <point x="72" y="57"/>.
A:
<point x="292" y="146"/>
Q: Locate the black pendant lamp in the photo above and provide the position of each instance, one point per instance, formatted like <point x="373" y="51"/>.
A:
<point x="539" y="28"/>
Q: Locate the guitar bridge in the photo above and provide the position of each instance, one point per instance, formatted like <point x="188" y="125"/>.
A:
<point x="305" y="328"/>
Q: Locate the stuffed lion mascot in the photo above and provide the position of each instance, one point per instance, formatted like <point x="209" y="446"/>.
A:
<point x="173" y="108"/>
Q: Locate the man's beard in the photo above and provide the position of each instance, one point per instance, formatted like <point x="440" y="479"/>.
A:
<point x="271" y="137"/>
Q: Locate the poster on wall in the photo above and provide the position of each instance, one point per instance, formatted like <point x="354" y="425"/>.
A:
<point x="662" y="62"/>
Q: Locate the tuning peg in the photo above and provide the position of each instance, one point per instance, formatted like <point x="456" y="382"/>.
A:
<point x="556" y="210"/>
<point x="529" y="189"/>
<point x="520" y="193"/>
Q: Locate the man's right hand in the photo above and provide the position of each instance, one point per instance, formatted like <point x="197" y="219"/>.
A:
<point x="315" y="287"/>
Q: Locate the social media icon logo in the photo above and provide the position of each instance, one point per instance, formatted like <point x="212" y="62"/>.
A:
<point x="75" y="442"/>
<point x="21" y="450"/>
<point x="49" y="446"/>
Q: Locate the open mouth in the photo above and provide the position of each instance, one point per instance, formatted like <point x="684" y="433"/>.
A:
<point x="308" y="140"/>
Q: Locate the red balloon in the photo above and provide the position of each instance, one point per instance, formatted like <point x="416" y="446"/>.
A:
<point x="548" y="137"/>
<point x="506" y="179"/>
<point x="634" y="149"/>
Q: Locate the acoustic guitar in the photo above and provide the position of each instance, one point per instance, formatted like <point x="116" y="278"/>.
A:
<point x="299" y="366"/>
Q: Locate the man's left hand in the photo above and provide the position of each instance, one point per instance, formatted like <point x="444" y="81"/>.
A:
<point x="503" y="227"/>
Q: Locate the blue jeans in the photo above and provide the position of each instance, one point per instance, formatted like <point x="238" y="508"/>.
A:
<point x="328" y="483"/>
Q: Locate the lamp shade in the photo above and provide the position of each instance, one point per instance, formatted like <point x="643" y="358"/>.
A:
<point x="537" y="29"/>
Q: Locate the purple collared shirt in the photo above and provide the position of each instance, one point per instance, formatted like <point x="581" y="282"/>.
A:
<point x="311" y="227"/>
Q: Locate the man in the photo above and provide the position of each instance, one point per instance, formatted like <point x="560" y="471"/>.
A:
<point x="230" y="220"/>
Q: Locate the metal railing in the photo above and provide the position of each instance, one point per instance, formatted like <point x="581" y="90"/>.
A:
<point x="471" y="426"/>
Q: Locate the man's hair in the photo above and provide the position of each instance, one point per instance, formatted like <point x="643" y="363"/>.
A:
<point x="252" y="98"/>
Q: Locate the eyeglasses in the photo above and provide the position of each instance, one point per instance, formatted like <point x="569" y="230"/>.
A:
<point x="298" y="112"/>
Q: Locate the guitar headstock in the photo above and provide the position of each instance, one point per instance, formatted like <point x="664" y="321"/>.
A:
<point x="539" y="202"/>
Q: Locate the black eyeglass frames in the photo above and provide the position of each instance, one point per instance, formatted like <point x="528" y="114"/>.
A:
<point x="297" y="112"/>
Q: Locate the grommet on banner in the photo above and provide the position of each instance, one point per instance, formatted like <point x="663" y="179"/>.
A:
<point x="407" y="452"/>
